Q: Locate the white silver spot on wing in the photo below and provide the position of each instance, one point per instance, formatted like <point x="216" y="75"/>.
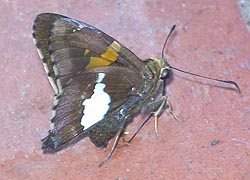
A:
<point x="97" y="105"/>
<point x="60" y="90"/>
<point x="52" y="126"/>
<point x="100" y="77"/>
<point x="56" y="101"/>
<point x="82" y="25"/>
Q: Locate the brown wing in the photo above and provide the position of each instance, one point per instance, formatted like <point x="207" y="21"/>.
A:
<point x="68" y="46"/>
<point x="68" y="113"/>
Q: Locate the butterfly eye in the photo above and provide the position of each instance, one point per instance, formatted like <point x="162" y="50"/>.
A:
<point x="165" y="73"/>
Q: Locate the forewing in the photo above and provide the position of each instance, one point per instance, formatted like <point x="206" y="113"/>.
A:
<point x="68" y="47"/>
<point x="41" y="33"/>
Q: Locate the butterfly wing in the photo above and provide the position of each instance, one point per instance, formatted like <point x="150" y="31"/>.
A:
<point x="85" y="67"/>
<point x="68" y="47"/>
<point x="83" y="104"/>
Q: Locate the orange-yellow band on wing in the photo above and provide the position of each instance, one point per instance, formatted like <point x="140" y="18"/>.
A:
<point x="106" y="58"/>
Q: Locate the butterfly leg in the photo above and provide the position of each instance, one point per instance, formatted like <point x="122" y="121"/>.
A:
<point x="157" y="113"/>
<point x="171" y="110"/>
<point x="156" y="107"/>
<point x="117" y="137"/>
<point x="138" y="129"/>
<point x="151" y="107"/>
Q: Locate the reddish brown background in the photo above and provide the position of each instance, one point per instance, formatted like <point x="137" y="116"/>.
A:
<point x="211" y="39"/>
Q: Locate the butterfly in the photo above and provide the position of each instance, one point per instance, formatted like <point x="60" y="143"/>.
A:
<point x="99" y="84"/>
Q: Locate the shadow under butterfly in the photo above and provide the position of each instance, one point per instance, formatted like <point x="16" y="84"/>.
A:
<point x="99" y="84"/>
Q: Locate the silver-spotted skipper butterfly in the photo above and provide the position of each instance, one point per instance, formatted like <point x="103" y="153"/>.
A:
<point x="99" y="84"/>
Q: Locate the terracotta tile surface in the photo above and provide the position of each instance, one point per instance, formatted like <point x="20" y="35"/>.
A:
<point x="212" y="141"/>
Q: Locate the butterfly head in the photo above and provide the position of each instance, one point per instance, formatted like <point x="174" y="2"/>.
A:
<point x="162" y="68"/>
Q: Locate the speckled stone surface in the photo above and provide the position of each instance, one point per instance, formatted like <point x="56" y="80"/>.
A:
<point x="212" y="140"/>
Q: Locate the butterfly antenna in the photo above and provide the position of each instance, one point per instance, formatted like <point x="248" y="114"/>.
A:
<point x="162" y="54"/>
<point x="205" y="77"/>
<point x="165" y="43"/>
<point x="186" y="72"/>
